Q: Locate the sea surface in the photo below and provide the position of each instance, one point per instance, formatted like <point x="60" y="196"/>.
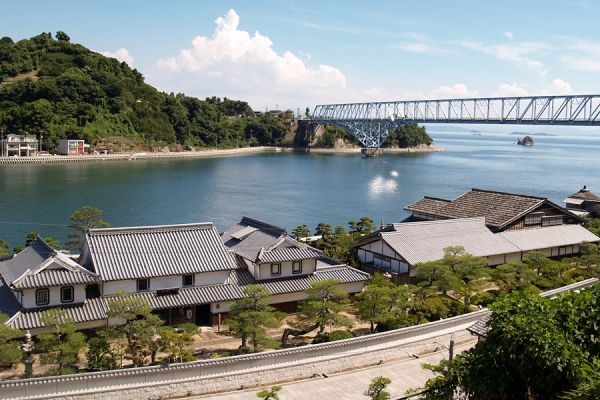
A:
<point x="288" y="189"/>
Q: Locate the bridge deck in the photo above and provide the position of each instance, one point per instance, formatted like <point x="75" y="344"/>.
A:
<point x="371" y="123"/>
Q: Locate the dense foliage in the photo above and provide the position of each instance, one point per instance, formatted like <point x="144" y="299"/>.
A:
<point x="52" y="87"/>
<point x="536" y="348"/>
<point x="411" y="135"/>
<point x="406" y="136"/>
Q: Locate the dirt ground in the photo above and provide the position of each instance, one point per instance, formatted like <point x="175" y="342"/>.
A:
<point x="208" y="343"/>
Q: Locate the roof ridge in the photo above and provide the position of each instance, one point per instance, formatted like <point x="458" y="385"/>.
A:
<point x="436" y="198"/>
<point x="261" y="223"/>
<point x="501" y="192"/>
<point x="136" y="229"/>
<point x="434" y="222"/>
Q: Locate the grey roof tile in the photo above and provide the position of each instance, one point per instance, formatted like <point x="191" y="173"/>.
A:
<point x="549" y="236"/>
<point x="498" y="208"/>
<point x="144" y="252"/>
<point x="31" y="257"/>
<point x="288" y="254"/>
<point x="55" y="277"/>
<point x="262" y="235"/>
<point x="425" y="241"/>
<point x="91" y="310"/>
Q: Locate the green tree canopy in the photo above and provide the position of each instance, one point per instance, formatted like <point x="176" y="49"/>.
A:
<point x="324" y="306"/>
<point x="535" y="348"/>
<point x="60" y="347"/>
<point x="251" y="316"/>
<point x="82" y="221"/>
<point x="376" y="390"/>
<point x="10" y="348"/>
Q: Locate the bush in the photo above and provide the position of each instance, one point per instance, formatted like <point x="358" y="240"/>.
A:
<point x="408" y="136"/>
<point x="333" y="336"/>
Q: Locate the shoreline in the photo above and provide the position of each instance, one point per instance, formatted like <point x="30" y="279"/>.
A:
<point x="201" y="154"/>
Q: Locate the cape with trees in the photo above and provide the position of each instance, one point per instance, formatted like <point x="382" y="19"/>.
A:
<point x="53" y="88"/>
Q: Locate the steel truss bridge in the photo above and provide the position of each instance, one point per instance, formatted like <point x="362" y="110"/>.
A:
<point x="371" y="123"/>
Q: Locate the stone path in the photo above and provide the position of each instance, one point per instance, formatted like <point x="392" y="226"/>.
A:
<point x="404" y="374"/>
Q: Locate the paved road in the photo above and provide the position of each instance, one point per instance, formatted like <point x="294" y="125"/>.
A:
<point x="351" y="385"/>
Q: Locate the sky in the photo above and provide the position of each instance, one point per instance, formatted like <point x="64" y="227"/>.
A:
<point x="297" y="54"/>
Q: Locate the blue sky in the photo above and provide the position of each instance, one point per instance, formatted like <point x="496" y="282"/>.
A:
<point x="310" y="52"/>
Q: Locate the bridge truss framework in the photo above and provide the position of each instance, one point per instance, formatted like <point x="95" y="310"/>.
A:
<point x="371" y="123"/>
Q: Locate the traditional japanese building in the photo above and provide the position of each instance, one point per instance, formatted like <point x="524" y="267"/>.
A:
<point x="185" y="272"/>
<point x="496" y="225"/>
<point x="584" y="203"/>
<point x="502" y="211"/>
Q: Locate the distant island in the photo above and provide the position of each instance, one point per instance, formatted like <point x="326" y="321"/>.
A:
<point x="526" y="141"/>
<point x="532" y="134"/>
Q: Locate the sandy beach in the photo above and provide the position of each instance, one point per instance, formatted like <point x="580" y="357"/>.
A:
<point x="198" y="154"/>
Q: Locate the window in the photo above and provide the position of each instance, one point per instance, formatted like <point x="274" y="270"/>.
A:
<point x="275" y="269"/>
<point x="143" y="284"/>
<point x="66" y="294"/>
<point x="42" y="297"/>
<point x="552" y="220"/>
<point x="534" y="218"/>
<point x="188" y="280"/>
<point x="297" y="267"/>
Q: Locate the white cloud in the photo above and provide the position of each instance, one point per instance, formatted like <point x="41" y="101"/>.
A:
<point x="122" y="55"/>
<point x="458" y="90"/>
<point x="581" y="55"/>
<point x="510" y="90"/>
<point x="521" y="54"/>
<point x="508" y="35"/>
<point x="558" y="87"/>
<point x="423" y="48"/>
<point x="236" y="64"/>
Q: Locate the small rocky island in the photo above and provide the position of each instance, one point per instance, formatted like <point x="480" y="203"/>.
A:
<point x="526" y="141"/>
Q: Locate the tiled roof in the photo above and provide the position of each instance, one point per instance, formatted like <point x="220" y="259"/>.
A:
<point x="91" y="310"/>
<point x="31" y="257"/>
<point x="145" y="252"/>
<point x="550" y="236"/>
<point x="40" y="265"/>
<point x="260" y="242"/>
<point x="193" y="295"/>
<point x="252" y="236"/>
<point x="585" y="194"/>
<point x="428" y="205"/>
<point x="288" y="254"/>
<point x="498" y="208"/>
<point x="480" y="327"/>
<point x="424" y="241"/>
<point x="54" y="277"/>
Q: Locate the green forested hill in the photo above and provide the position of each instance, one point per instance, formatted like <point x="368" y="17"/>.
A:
<point x="53" y="87"/>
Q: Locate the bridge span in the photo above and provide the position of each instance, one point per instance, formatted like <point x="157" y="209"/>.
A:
<point x="371" y="123"/>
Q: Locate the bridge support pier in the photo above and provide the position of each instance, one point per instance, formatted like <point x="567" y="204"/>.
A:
<point x="372" y="151"/>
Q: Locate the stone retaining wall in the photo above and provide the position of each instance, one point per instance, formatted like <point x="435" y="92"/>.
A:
<point x="231" y="373"/>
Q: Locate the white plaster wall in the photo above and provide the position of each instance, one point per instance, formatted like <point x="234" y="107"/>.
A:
<point x="513" y="257"/>
<point x="210" y="278"/>
<point x="165" y="282"/>
<point x="388" y="251"/>
<point x="308" y="267"/>
<point x="113" y="287"/>
<point x="54" y="292"/>
<point x="496" y="260"/>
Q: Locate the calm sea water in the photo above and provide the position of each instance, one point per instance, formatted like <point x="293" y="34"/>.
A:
<point x="290" y="189"/>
